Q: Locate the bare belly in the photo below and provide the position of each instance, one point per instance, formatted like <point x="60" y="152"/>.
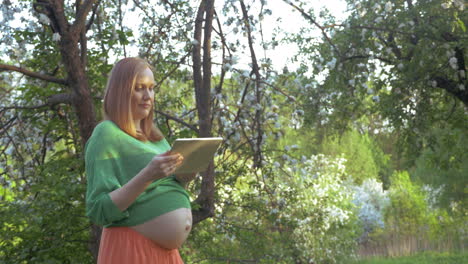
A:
<point x="169" y="230"/>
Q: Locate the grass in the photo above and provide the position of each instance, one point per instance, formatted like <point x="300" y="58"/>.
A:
<point x="425" y="258"/>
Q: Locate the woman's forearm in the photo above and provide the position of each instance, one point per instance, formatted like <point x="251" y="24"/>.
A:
<point x="159" y="167"/>
<point x="126" y="195"/>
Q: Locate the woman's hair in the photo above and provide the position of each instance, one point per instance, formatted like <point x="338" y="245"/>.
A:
<point x="117" y="99"/>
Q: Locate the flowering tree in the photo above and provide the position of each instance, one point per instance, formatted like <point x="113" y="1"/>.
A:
<point x="65" y="50"/>
<point x="372" y="201"/>
<point x="404" y="59"/>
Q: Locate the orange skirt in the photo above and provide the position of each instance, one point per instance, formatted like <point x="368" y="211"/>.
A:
<point x="125" y="245"/>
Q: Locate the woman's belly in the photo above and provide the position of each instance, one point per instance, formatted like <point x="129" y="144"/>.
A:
<point x="169" y="230"/>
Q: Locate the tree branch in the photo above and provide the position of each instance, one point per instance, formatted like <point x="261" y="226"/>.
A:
<point x="196" y="50"/>
<point x="55" y="99"/>
<point x="367" y="57"/>
<point x="172" y="71"/>
<point x="91" y="20"/>
<point x="258" y="94"/>
<point x="315" y="23"/>
<point x="451" y="87"/>
<point x="249" y="36"/>
<point x="178" y="120"/>
<point x="80" y="19"/>
<point x="5" y="67"/>
<point x="58" y="15"/>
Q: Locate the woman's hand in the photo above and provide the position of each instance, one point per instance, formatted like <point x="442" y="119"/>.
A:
<point x="164" y="165"/>
<point x="159" y="167"/>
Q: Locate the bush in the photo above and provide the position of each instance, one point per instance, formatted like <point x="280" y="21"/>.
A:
<point x="296" y="212"/>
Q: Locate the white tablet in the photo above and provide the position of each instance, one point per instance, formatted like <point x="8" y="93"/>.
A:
<point x="197" y="153"/>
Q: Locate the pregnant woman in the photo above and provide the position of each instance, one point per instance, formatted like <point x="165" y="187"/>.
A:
<point x="132" y="190"/>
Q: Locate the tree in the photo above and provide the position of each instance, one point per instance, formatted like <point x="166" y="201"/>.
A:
<point x="64" y="48"/>
<point x="407" y="57"/>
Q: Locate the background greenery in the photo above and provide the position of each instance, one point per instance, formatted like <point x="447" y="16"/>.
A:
<point x="362" y="146"/>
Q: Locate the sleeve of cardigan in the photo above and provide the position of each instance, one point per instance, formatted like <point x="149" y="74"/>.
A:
<point x="101" y="171"/>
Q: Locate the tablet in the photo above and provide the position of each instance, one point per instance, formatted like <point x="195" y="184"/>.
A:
<point x="197" y="153"/>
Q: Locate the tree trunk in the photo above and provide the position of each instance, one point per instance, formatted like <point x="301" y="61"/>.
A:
<point x="203" y="100"/>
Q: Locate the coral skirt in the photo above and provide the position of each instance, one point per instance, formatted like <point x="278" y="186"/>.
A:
<point x="123" y="245"/>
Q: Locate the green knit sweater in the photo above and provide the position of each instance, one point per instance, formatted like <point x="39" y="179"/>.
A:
<point x="112" y="158"/>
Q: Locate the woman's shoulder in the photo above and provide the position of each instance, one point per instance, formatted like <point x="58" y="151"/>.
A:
<point x="106" y="130"/>
<point x="105" y="126"/>
<point x="106" y="133"/>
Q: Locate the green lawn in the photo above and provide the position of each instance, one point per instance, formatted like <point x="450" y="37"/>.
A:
<point x="426" y="258"/>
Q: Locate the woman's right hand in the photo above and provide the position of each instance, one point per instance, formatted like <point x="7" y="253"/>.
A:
<point x="159" y="167"/>
<point x="164" y="165"/>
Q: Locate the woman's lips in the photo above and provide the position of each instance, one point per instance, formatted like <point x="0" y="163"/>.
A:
<point x="145" y="105"/>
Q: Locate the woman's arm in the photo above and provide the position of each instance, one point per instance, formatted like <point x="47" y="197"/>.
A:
<point x="160" y="166"/>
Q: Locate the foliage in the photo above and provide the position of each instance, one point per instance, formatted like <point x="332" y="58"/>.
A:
<point x="408" y="212"/>
<point x="301" y="214"/>
<point x="400" y="61"/>
<point x="382" y="81"/>
<point x="45" y="222"/>
<point x="364" y="159"/>
<point x="442" y="164"/>
<point x="424" y="258"/>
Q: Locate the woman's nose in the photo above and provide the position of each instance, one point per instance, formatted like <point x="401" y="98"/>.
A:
<point x="146" y="94"/>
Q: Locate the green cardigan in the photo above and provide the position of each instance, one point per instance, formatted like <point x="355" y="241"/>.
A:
<point x="112" y="158"/>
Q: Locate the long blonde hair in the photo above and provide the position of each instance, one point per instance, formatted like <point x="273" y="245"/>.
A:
<point x="117" y="99"/>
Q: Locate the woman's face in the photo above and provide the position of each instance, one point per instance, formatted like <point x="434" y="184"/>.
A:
<point x="143" y="95"/>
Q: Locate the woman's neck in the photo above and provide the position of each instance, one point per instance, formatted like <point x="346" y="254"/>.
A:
<point x="138" y="125"/>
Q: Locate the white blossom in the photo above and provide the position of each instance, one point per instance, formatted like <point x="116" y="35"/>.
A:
<point x="460" y="4"/>
<point x="462" y="73"/>
<point x="388" y="7"/>
<point x="453" y="63"/>
<point x="400" y="66"/>
<point x="461" y="87"/>
<point x="44" y="19"/>
<point x="331" y="64"/>
<point x="56" y="36"/>
<point x="351" y="82"/>
<point x="376" y="98"/>
<point x="445" y="5"/>
<point x="434" y="84"/>
<point x="227" y="66"/>
<point x="195" y="42"/>
<point x="362" y="12"/>
<point x="234" y="60"/>
<point x="450" y="53"/>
